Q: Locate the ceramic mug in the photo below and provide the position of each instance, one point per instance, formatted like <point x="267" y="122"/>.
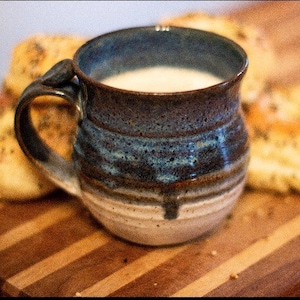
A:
<point x="155" y="168"/>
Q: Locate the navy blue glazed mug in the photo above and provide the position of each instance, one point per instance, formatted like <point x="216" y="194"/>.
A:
<point x="161" y="150"/>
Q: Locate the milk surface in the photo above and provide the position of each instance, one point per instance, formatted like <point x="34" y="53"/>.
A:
<point x="162" y="79"/>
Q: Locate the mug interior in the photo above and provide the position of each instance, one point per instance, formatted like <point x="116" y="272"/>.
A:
<point x="136" y="48"/>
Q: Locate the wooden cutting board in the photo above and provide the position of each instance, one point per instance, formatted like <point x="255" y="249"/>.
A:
<point x="52" y="247"/>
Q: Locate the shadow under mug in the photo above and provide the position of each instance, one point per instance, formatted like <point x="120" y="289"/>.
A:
<point x="153" y="168"/>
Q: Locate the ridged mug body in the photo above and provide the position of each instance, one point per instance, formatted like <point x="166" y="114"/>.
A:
<point x="162" y="190"/>
<point x="165" y="168"/>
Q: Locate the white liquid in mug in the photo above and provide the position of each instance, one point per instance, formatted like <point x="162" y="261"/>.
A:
<point x="162" y="79"/>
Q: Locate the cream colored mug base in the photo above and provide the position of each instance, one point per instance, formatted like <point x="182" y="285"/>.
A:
<point x="145" y="224"/>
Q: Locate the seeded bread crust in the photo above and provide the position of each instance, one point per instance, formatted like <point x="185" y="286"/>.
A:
<point x="34" y="56"/>
<point x="274" y="130"/>
<point x="20" y="179"/>
<point x="55" y="121"/>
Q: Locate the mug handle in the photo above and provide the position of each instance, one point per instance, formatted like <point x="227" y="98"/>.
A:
<point x="58" y="81"/>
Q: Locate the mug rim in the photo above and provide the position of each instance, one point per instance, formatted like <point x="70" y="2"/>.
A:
<point x="157" y="28"/>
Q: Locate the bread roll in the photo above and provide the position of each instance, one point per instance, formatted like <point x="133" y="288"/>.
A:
<point x="34" y="56"/>
<point x="20" y="180"/>
<point x="274" y="129"/>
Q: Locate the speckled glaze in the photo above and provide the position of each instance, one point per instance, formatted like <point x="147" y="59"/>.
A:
<point x="153" y="168"/>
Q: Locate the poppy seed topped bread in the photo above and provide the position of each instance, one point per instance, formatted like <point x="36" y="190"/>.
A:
<point x="20" y="180"/>
<point x="34" y="56"/>
<point x="274" y="129"/>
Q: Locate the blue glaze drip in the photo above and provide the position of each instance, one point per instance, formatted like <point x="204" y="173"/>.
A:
<point x="164" y="160"/>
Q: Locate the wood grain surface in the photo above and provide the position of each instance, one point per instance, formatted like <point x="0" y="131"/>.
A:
<point x="52" y="247"/>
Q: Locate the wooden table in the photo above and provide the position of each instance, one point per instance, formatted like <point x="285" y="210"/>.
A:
<point x="52" y="247"/>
